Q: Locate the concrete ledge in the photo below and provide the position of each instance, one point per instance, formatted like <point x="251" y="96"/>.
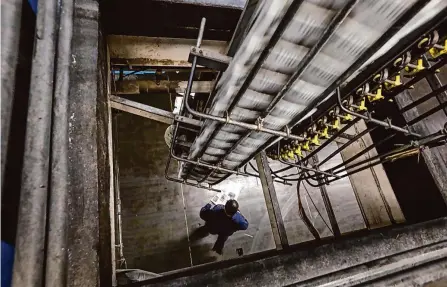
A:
<point x="311" y="260"/>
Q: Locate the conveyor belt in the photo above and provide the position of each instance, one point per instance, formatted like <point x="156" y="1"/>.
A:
<point x="365" y="23"/>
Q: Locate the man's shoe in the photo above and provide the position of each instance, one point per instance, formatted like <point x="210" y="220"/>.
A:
<point x="218" y="251"/>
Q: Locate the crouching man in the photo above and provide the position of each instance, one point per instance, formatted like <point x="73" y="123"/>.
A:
<point x="223" y="221"/>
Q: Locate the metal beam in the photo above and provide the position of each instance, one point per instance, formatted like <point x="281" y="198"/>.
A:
<point x="209" y="59"/>
<point x="149" y="112"/>
<point x="156" y="52"/>
<point x="271" y="200"/>
<point x="131" y="87"/>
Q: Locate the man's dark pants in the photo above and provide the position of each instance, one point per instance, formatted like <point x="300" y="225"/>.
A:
<point x="204" y="231"/>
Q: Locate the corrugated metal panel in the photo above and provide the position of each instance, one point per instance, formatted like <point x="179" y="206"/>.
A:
<point x="368" y="20"/>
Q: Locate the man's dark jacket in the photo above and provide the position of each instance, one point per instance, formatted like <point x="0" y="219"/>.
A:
<point x="219" y="223"/>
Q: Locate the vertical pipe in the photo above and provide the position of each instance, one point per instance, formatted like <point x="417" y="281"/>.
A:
<point x="30" y="242"/>
<point x="55" y="274"/>
<point x="111" y="154"/>
<point x="188" y="87"/>
<point x="11" y="14"/>
<point x="119" y="224"/>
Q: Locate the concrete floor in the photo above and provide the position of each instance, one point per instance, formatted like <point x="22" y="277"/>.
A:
<point x="160" y="217"/>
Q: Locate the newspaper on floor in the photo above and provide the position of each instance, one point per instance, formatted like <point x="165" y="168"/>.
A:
<point x="224" y="196"/>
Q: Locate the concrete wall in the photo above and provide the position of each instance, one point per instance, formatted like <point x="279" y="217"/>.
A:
<point x="88" y="234"/>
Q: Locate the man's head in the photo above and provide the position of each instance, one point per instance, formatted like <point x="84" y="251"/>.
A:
<point x="231" y="207"/>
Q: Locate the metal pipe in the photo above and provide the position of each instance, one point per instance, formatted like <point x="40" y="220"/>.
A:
<point x="357" y="155"/>
<point x="345" y="145"/>
<point x="117" y="194"/>
<point x="197" y="162"/>
<point x="374" y="157"/>
<point x="305" y="62"/>
<point x="189" y="84"/>
<point x="333" y="137"/>
<point x="57" y="251"/>
<point x="253" y="127"/>
<point x="277" y="179"/>
<point x="368" y="118"/>
<point x="30" y="242"/>
<point x="201" y="31"/>
<point x="11" y="15"/>
<point x="302" y="166"/>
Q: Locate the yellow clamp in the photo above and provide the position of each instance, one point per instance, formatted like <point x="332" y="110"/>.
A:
<point x="391" y="84"/>
<point x="298" y="151"/>
<point x="305" y="146"/>
<point x="362" y="106"/>
<point x="347" y="117"/>
<point x="324" y="133"/>
<point x="413" y="69"/>
<point x="438" y="50"/>
<point x="336" y="124"/>
<point x="377" y="96"/>
<point x="290" y="154"/>
<point x="315" y="140"/>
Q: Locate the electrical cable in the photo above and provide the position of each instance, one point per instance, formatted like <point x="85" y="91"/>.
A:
<point x="322" y="218"/>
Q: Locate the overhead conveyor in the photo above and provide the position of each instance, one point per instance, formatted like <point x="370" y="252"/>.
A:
<point x="296" y="78"/>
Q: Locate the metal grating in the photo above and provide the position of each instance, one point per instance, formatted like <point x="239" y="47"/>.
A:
<point x="365" y="23"/>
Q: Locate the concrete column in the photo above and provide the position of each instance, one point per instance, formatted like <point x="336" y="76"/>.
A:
<point x="271" y="200"/>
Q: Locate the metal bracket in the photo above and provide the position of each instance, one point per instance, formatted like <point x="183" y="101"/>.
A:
<point x="209" y="59"/>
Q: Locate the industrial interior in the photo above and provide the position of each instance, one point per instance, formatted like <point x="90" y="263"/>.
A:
<point x="325" y="119"/>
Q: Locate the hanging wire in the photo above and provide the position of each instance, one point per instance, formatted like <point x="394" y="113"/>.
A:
<point x="322" y="218"/>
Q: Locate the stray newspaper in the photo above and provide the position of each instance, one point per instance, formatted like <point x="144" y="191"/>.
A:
<point x="228" y="192"/>
<point x="224" y="196"/>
